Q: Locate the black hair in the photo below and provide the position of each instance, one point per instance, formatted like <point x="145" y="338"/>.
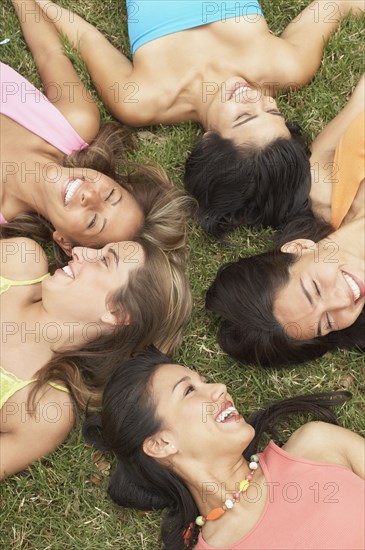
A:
<point x="243" y="294"/>
<point x="129" y="417"/>
<point x="247" y="185"/>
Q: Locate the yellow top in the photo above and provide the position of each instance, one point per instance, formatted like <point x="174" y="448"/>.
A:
<point x="5" y="283"/>
<point x="348" y="169"/>
<point x="9" y="383"/>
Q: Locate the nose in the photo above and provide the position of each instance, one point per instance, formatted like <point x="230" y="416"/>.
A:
<point x="81" y="254"/>
<point x="217" y="391"/>
<point x="89" y="196"/>
<point x="269" y="101"/>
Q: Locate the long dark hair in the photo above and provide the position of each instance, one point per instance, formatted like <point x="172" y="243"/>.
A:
<point x="243" y="293"/>
<point x="246" y="185"/>
<point x="128" y="418"/>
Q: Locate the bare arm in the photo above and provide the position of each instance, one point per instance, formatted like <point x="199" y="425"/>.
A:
<point x="308" y="33"/>
<point x="110" y="70"/>
<point x="22" y="258"/>
<point x="323" y="152"/>
<point x="327" y="140"/>
<point x="61" y="82"/>
<point x="25" y="438"/>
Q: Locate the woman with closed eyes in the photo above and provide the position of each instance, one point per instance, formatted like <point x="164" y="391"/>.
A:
<point x="307" y="296"/>
<point x="54" y="184"/>
<point x="216" y="63"/>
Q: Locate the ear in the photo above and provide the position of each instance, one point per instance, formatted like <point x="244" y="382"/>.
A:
<point x="112" y="319"/>
<point x="62" y="242"/>
<point x="159" y="446"/>
<point x="298" y="247"/>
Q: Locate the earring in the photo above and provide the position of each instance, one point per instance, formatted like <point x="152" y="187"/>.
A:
<point x="172" y="446"/>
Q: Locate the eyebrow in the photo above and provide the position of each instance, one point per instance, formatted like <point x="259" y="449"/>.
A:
<point x="105" y="219"/>
<point x="245" y="121"/>
<point x="184" y="379"/>
<point x="275" y="113"/>
<point x="306" y="293"/>
<point x="309" y="298"/>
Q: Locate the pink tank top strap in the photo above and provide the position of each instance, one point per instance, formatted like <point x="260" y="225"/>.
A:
<point x="23" y="103"/>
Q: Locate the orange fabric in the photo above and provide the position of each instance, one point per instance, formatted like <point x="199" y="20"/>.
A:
<point x="348" y="169"/>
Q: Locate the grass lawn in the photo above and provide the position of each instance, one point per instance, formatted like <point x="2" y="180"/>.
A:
<point x="61" y="502"/>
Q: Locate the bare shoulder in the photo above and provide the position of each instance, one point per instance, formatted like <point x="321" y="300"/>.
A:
<point x="56" y="410"/>
<point x="22" y="258"/>
<point x="53" y="418"/>
<point x="139" y="105"/>
<point x="328" y="443"/>
<point x="138" y="100"/>
<point x="313" y="432"/>
<point x="25" y="436"/>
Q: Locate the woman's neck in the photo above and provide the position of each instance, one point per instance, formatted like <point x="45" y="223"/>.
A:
<point x="349" y="239"/>
<point x="210" y="485"/>
<point x="212" y="488"/>
<point x="41" y="335"/>
<point x="26" y="191"/>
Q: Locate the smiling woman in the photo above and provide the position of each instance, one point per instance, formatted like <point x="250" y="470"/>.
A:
<point x="74" y="327"/>
<point x="326" y="289"/>
<point x="307" y="296"/>
<point x="182" y="445"/>
<point x="295" y="304"/>
<point x="61" y="186"/>
<point x="236" y="170"/>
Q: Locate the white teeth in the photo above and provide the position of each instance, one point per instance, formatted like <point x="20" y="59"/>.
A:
<point x="71" y="189"/>
<point x="68" y="271"/>
<point x="224" y="414"/>
<point x="354" y="286"/>
<point x="240" y="91"/>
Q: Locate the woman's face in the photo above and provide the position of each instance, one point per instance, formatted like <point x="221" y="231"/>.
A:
<point x="88" y="207"/>
<point x="198" y="415"/>
<point x="243" y="113"/>
<point x="326" y="292"/>
<point x="80" y="291"/>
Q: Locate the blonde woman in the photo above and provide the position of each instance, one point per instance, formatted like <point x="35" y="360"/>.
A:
<point x="54" y="183"/>
<point x="63" y="334"/>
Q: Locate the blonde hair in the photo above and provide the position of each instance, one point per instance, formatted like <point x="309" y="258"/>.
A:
<point x="158" y="300"/>
<point x="164" y="207"/>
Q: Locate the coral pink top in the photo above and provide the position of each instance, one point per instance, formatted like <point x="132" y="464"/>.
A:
<point x="23" y="103"/>
<point x="310" y="505"/>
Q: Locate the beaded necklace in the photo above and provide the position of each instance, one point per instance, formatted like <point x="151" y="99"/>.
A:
<point x="217" y="513"/>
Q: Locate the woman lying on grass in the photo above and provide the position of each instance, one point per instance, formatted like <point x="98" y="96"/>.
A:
<point x="216" y="63"/>
<point x="63" y="334"/>
<point x="307" y="296"/>
<point x="182" y="445"/>
<point x="90" y="194"/>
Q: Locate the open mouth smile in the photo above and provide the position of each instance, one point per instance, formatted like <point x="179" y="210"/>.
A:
<point x="239" y="89"/>
<point x="68" y="271"/>
<point x="72" y="186"/>
<point x="354" y="285"/>
<point x="227" y="413"/>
